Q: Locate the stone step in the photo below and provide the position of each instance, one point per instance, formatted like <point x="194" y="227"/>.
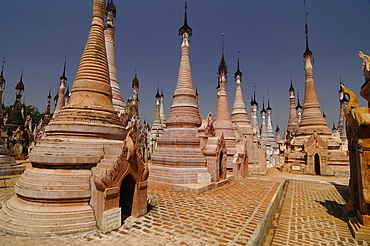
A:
<point x="50" y="219"/>
<point x="112" y="151"/>
<point x="50" y="174"/>
<point x="37" y="184"/>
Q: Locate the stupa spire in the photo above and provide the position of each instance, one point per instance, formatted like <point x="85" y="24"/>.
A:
<point x="109" y="35"/>
<point x="254" y="108"/>
<point x="311" y="120"/>
<point x="222" y="123"/>
<point x="184" y="110"/>
<point x="293" y="117"/>
<point x="239" y="115"/>
<point x="60" y="101"/>
<point x="178" y="156"/>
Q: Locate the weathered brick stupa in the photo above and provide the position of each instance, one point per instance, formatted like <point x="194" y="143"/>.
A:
<point x="117" y="99"/>
<point x="313" y="149"/>
<point x="178" y="157"/>
<point x="58" y="194"/>
<point x="293" y="117"/>
<point x="8" y="166"/>
<point x="223" y="124"/>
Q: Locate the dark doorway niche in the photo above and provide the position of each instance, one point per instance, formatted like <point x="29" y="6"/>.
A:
<point x="317" y="164"/>
<point x="127" y="196"/>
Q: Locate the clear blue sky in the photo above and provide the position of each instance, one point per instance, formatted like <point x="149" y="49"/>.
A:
<point x="36" y="35"/>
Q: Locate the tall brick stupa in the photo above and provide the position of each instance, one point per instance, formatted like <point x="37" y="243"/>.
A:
<point x="54" y="195"/>
<point x="314" y="149"/>
<point x="223" y="124"/>
<point x="178" y="157"/>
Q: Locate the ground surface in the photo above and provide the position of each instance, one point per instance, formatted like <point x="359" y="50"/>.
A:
<point x="310" y="214"/>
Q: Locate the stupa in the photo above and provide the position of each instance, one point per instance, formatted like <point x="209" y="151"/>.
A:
<point x="178" y="158"/>
<point x="293" y="117"/>
<point x="60" y="100"/>
<point x="77" y="171"/>
<point x="222" y="123"/>
<point x="314" y="150"/>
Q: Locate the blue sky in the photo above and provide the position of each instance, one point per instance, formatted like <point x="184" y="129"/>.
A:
<point x="36" y="35"/>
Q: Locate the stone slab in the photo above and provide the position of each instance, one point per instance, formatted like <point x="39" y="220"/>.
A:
<point x="111" y="219"/>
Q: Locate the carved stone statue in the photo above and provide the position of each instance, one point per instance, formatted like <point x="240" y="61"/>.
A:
<point x="365" y="65"/>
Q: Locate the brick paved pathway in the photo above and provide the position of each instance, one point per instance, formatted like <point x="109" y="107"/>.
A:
<point x="313" y="214"/>
<point x="224" y="216"/>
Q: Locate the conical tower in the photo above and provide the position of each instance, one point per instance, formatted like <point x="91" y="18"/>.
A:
<point x="60" y="99"/>
<point x="293" y="117"/>
<point x="161" y="110"/>
<point x="47" y="116"/>
<point x="239" y="115"/>
<point x="15" y="118"/>
<point x="157" y="125"/>
<point x="135" y="95"/>
<point x="222" y="123"/>
<point x="56" y="195"/>
<point x="269" y="128"/>
<point x="178" y="157"/>
<point x="254" y="108"/>
<point x="299" y="109"/>
<point x="263" y="121"/>
<point x="312" y="119"/>
<point x="109" y="32"/>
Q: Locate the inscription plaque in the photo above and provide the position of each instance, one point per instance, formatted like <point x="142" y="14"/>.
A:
<point x="203" y="178"/>
<point x="111" y="219"/>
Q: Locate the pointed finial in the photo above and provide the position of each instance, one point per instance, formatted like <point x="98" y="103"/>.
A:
<point x="323" y="112"/>
<point x="238" y="73"/>
<point x="291" y="88"/>
<point x="334" y="128"/>
<point x="162" y="95"/>
<point x="263" y="104"/>
<point x="157" y="95"/>
<point x="135" y="81"/>
<point x="111" y="8"/>
<point x="308" y="51"/>
<point x="268" y="100"/>
<point x="222" y="67"/>
<point x="298" y="105"/>
<point x="254" y="101"/>
<point x="63" y="77"/>
<point x="185" y="28"/>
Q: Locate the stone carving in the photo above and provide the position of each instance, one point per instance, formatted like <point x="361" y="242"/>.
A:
<point x="365" y="65"/>
<point x="358" y="127"/>
<point x="130" y="157"/>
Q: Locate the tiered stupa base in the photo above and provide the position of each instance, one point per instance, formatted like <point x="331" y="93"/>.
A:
<point x="49" y="202"/>
<point x="55" y="200"/>
<point x="178" y="161"/>
<point x="8" y="166"/>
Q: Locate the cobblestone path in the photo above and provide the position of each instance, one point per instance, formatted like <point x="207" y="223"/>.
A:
<point x="313" y="214"/>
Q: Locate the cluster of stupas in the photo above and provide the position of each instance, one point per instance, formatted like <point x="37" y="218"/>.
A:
<point x="89" y="160"/>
